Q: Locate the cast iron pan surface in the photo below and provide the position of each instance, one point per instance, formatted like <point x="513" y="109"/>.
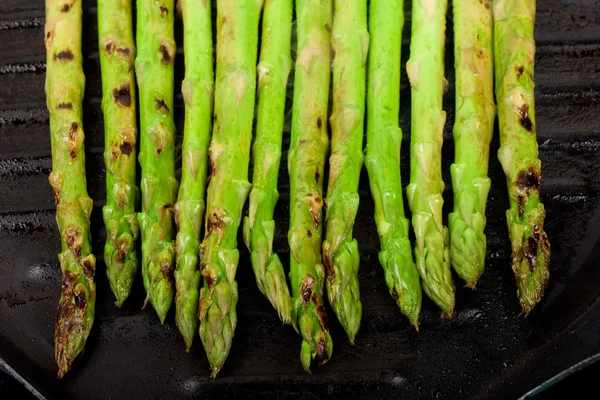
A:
<point x="487" y="351"/>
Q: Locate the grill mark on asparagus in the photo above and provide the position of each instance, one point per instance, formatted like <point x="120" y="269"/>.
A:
<point x="306" y="289"/>
<point x="521" y="201"/>
<point x="321" y="314"/>
<point x="166" y="268"/>
<point x="164" y="11"/>
<point x="126" y="148"/>
<point x="64" y="106"/>
<point x="109" y="48"/>
<point x="528" y="180"/>
<point x="530" y="252"/>
<point x="321" y="353"/>
<point x="65" y="55"/>
<point x="80" y="299"/>
<point x="72" y="144"/>
<point x="525" y="121"/>
<point x="124" y="51"/>
<point x="161" y="105"/>
<point x="88" y="269"/>
<point x="122" y="95"/>
<point x="65" y="8"/>
<point x="166" y="58"/>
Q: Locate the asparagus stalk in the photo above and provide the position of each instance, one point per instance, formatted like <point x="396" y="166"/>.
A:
<point x="259" y="226"/>
<point x="65" y="84"/>
<point x="306" y="159"/>
<point x="197" y="89"/>
<point x="154" y="70"/>
<point x="117" y="54"/>
<point x="473" y="130"/>
<point x="514" y="52"/>
<point x="384" y="137"/>
<point x="237" y="42"/>
<point x="350" y="43"/>
<point x="426" y="74"/>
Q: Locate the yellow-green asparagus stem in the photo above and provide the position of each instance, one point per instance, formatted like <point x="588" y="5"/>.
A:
<point x="259" y="226"/>
<point x="155" y="74"/>
<point x="235" y="85"/>
<point x="197" y="89"/>
<point x="514" y="52"/>
<point x="426" y="73"/>
<point x="384" y="137"/>
<point x="306" y="159"/>
<point x="473" y="130"/>
<point x="350" y="44"/>
<point x="117" y="54"/>
<point x="65" y="84"/>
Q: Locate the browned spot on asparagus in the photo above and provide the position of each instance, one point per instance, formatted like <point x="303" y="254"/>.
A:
<point x="65" y="55"/>
<point x="122" y="95"/>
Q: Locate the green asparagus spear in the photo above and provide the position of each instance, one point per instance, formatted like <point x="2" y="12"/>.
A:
<point x="514" y="52"/>
<point x="65" y="84"/>
<point x="259" y="226"/>
<point x="350" y="44"/>
<point x="197" y="89"/>
<point x="306" y="159"/>
<point x="117" y="54"/>
<point x="384" y="137"/>
<point x="426" y="74"/>
<point x="155" y="75"/>
<point x="473" y="130"/>
<point x="237" y="43"/>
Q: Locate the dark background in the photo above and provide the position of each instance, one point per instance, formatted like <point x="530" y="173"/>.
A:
<point x="486" y="351"/>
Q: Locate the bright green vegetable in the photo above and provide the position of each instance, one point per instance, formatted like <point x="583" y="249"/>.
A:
<point x="514" y="52"/>
<point x="154" y="70"/>
<point x="117" y="54"/>
<point x="426" y="74"/>
<point x="259" y="226"/>
<point x="384" y="137"/>
<point x="473" y="130"/>
<point x="350" y="44"/>
<point x="65" y="84"/>
<point x="237" y="43"/>
<point x="197" y="89"/>
<point x="306" y="159"/>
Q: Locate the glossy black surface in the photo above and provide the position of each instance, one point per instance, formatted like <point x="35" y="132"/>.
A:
<point x="486" y="351"/>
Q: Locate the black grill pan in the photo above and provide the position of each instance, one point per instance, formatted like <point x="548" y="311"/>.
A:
<point x="486" y="351"/>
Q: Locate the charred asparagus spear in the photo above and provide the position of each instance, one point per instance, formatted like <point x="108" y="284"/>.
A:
<point x="197" y="89"/>
<point x="473" y="130"/>
<point x="237" y="42"/>
<point x="514" y="51"/>
<point x="65" y="84"/>
<point x="259" y="226"/>
<point x="384" y="137"/>
<point x="117" y="54"/>
<point x="306" y="159"/>
<point x="350" y="43"/>
<point x="426" y="74"/>
<point x="154" y="70"/>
